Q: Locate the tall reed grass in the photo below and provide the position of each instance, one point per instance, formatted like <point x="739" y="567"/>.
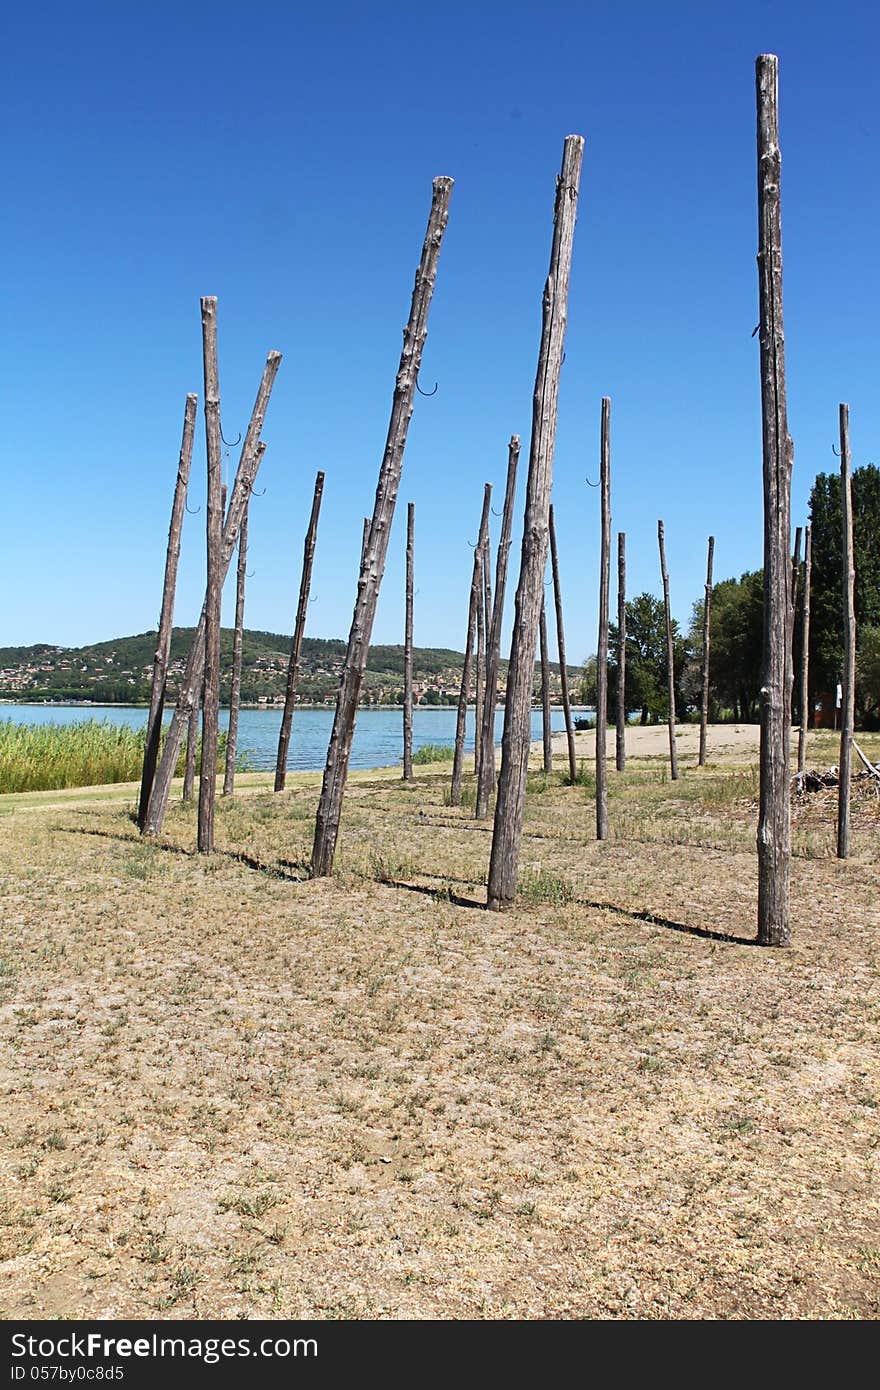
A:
<point x="89" y="753"/>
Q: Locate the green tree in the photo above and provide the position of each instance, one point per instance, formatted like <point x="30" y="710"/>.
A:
<point x="826" y="619"/>
<point x="646" y="686"/>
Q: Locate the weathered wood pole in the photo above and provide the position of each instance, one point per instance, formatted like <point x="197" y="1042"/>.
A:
<point x="302" y="607"/>
<point x="192" y="745"/>
<point x="211" y="696"/>
<point x="560" y="645"/>
<point x="774" y="814"/>
<point x="795" y="576"/>
<point x="480" y="655"/>
<point x="602" y="652"/>
<point x="546" y="724"/>
<point x="670" y="653"/>
<point x="509" y="806"/>
<point x="166" y="617"/>
<point x="252" y="451"/>
<point x="408" y="648"/>
<point x="620" y="749"/>
<point x="464" y="693"/>
<point x="237" y="644"/>
<point x="415" y="333"/>
<point x="804" y="701"/>
<point x="847" y="713"/>
<point x="707" y="607"/>
<point x="486" y="780"/>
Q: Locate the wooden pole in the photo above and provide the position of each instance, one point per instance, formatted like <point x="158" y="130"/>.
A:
<point x="560" y="645"/>
<point x="339" y="751"/>
<point x="546" y="724"/>
<point x="804" y="701"/>
<point x="252" y="451"/>
<point x="480" y="659"/>
<point x="602" y="653"/>
<point x="621" y="652"/>
<point x="510" y="802"/>
<point x="847" y="713"/>
<point x="298" y="633"/>
<point x="464" y="694"/>
<point x="192" y="744"/>
<point x="166" y="618"/>
<point x="707" y="606"/>
<point x="486" y="781"/>
<point x="211" y="697"/>
<point x="237" y="643"/>
<point x="795" y="576"/>
<point x="774" y="815"/>
<point x="408" y="648"/>
<point x="670" y="654"/>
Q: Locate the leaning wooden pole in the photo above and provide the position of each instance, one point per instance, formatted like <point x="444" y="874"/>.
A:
<point x="166" y="617"/>
<point x="464" y="693"/>
<point x="237" y="645"/>
<point x="252" y="451"/>
<point x="486" y="780"/>
<point x="415" y="333"/>
<point x="408" y="648"/>
<point x="302" y="608"/>
<point x="804" y="701"/>
<point x="670" y="653"/>
<point x="480" y="652"/>
<point x="510" y="803"/>
<point x="704" y="701"/>
<point x="560" y="646"/>
<point x="620" y="749"/>
<point x="774" y="814"/>
<point x="546" y="723"/>
<point x="847" y="713"/>
<point x="602" y="652"/>
<point x="213" y="595"/>
<point x="192" y="746"/>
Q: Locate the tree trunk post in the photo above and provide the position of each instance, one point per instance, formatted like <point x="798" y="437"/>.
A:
<point x="464" y="693"/>
<point x="546" y="723"/>
<point x="408" y="648"/>
<point x="774" y="815"/>
<point x="192" y="744"/>
<point x="804" y="702"/>
<point x="670" y="654"/>
<point x="704" y="702"/>
<point x="847" y="713"/>
<point x="298" y="633"/>
<point x="237" y="643"/>
<point x="166" y="618"/>
<point x="415" y="333"/>
<point x="480" y="654"/>
<point x="621" y="652"/>
<point x="560" y="644"/>
<point x="252" y="451"/>
<point x="486" y="781"/>
<point x="510" y="802"/>
<point x="211" y="698"/>
<point x="602" y="653"/>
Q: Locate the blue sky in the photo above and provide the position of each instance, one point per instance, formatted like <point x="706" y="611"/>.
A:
<point x="282" y="159"/>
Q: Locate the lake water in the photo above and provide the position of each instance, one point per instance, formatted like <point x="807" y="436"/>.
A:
<point x="378" y="737"/>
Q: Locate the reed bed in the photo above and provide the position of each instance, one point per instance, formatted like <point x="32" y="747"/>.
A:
<point x="91" y="752"/>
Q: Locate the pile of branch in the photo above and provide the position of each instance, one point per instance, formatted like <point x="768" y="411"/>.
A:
<point x="816" y="781"/>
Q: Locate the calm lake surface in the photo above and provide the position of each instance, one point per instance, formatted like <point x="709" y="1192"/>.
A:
<point x="378" y="737"/>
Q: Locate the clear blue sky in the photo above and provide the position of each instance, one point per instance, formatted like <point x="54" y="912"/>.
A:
<point x="281" y="158"/>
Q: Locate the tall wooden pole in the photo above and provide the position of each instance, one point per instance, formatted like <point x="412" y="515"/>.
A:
<point x="804" y="701"/>
<point x="795" y="575"/>
<point x="621" y="652"/>
<point x="252" y="451"/>
<point x="408" y="648"/>
<point x="510" y="803"/>
<point x="237" y="644"/>
<point x="415" y="333"/>
<point x="464" y="694"/>
<point x="704" y="703"/>
<point x="602" y="653"/>
<point x="560" y="645"/>
<point x="670" y="654"/>
<point x="302" y="608"/>
<point x="774" y="815"/>
<point x="486" y="780"/>
<point x="847" y="713"/>
<point x="480" y="656"/>
<point x="211" y="698"/>
<point x="166" y="617"/>
<point x="192" y="745"/>
<point x="546" y="725"/>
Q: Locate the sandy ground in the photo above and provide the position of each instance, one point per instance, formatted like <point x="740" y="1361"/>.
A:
<point x="228" y="1091"/>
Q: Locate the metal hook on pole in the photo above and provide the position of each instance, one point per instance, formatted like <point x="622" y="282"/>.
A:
<point x="426" y="393"/>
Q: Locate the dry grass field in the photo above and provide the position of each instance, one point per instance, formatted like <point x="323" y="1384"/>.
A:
<point x="227" y="1091"/>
